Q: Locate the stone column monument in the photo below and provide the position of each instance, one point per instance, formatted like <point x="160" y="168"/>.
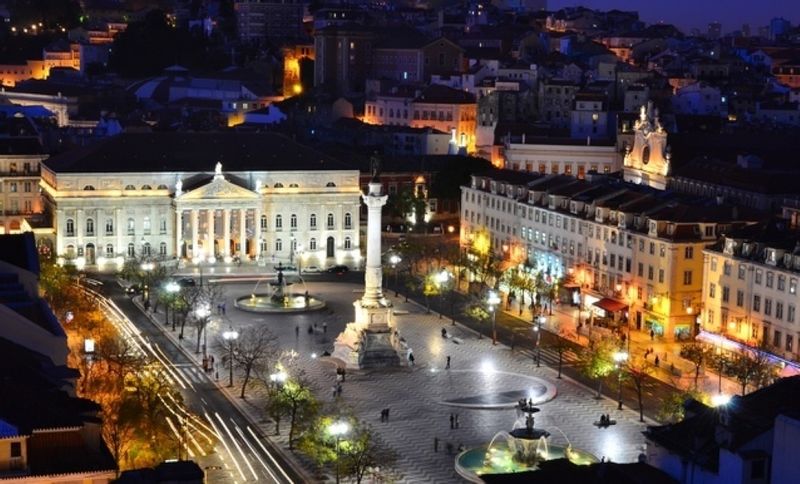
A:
<point x="371" y="340"/>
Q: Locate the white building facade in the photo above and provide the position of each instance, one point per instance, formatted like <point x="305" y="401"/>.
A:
<point x="295" y="205"/>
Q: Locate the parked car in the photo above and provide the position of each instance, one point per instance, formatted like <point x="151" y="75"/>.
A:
<point x="187" y="282"/>
<point x="312" y="269"/>
<point x="339" y="270"/>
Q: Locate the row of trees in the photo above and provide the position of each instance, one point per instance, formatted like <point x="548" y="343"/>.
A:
<point x="141" y="411"/>
<point x="751" y="368"/>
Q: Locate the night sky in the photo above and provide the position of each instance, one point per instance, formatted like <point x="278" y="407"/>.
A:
<point x="687" y="14"/>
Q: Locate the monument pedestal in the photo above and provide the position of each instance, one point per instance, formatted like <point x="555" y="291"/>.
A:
<point x="370" y="341"/>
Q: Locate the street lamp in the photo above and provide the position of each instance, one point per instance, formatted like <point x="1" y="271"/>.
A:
<point x="720" y="400"/>
<point x="202" y="313"/>
<point x="172" y="288"/>
<point x="146" y="268"/>
<point x="338" y="429"/>
<point x="493" y="300"/>
<point x="620" y="357"/>
<point x="278" y="378"/>
<point x="538" y="330"/>
<point x="230" y="337"/>
<point x="395" y="259"/>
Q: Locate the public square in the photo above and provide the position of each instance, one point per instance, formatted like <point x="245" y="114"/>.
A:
<point x="422" y="398"/>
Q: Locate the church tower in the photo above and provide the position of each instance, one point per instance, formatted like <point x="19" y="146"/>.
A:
<point x="647" y="161"/>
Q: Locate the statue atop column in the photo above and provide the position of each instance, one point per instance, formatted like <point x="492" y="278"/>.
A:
<point x="375" y="167"/>
<point x="218" y="169"/>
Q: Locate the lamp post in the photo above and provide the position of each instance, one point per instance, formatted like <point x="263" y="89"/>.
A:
<point x="230" y="337"/>
<point x="172" y="289"/>
<point x="146" y="267"/>
<point x="395" y="260"/>
<point x="620" y="357"/>
<point x="338" y="429"/>
<point x="538" y="330"/>
<point x="493" y="300"/>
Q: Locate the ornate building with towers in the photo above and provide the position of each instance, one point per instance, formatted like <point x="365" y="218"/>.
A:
<point x="647" y="162"/>
<point x="203" y="197"/>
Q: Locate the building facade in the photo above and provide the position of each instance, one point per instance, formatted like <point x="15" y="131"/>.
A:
<point x="211" y="199"/>
<point x="561" y="156"/>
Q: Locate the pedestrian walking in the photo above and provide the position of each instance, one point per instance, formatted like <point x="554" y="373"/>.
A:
<point x="444" y="333"/>
<point x="436" y="444"/>
<point x="344" y="374"/>
<point x="297" y="331"/>
<point x="310" y="329"/>
<point x="452" y="421"/>
<point x="339" y="389"/>
<point x="224" y="307"/>
<point x="333" y="391"/>
<point x="411" y="358"/>
<point x="652" y="334"/>
<point x="447" y="366"/>
<point x="325" y="327"/>
<point x="457" y="423"/>
<point x="657" y="361"/>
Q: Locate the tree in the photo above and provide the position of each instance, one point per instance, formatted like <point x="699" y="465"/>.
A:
<point x="753" y="367"/>
<point x="597" y="362"/>
<point x="478" y="312"/>
<point x="430" y="288"/>
<point x="696" y="353"/>
<point x="560" y="345"/>
<point x="517" y="282"/>
<point x="202" y="299"/>
<point x="354" y="453"/>
<point x="672" y="407"/>
<point x="638" y="370"/>
<point x="253" y="351"/>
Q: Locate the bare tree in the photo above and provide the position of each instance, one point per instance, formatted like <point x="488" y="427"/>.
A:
<point x="638" y="370"/>
<point x="697" y="353"/>
<point x="252" y="352"/>
<point x="202" y="301"/>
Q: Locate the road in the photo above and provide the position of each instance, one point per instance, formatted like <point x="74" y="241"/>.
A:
<point x="243" y="453"/>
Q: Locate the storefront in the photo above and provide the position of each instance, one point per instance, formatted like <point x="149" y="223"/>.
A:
<point x="570" y="294"/>
<point x="608" y="312"/>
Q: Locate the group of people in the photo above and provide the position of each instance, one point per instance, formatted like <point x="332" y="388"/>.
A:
<point x="454" y="423"/>
<point x="605" y="420"/>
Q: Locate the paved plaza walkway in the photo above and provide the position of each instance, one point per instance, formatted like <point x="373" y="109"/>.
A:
<point x="421" y="398"/>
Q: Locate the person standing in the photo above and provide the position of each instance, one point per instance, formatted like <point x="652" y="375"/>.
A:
<point x="447" y="366"/>
<point x="452" y="421"/>
<point x="411" y="358"/>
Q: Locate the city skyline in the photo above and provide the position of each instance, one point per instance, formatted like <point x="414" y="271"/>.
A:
<point x="736" y="13"/>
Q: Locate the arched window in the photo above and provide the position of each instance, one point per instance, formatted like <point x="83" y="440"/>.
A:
<point x="263" y="244"/>
<point x="88" y="188"/>
<point x="131" y="250"/>
<point x="263" y="222"/>
<point x="70" y="251"/>
<point x="278" y="245"/>
<point x="312" y="244"/>
<point x="293" y="222"/>
<point x="109" y="226"/>
<point x="279" y="185"/>
<point x="130" y="187"/>
<point x="330" y="221"/>
<point x="109" y="250"/>
<point x="646" y="155"/>
<point x="312" y="221"/>
<point x="146" y="225"/>
<point x="70" y="227"/>
<point x="146" y="250"/>
<point x="162" y="249"/>
<point x="146" y="187"/>
<point x="163" y="187"/>
<point x="293" y="244"/>
<point x="89" y="226"/>
<point x="162" y="225"/>
<point x="293" y="185"/>
<point x="347" y="243"/>
<point x="330" y="184"/>
<point x="330" y="245"/>
<point x="348" y="221"/>
<point x="278" y="222"/>
<point x="131" y="226"/>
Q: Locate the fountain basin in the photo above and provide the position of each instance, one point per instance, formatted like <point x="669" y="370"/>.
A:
<point x="498" y="458"/>
<point x="287" y="303"/>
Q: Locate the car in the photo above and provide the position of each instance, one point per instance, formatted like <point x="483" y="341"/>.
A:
<point x="340" y="269"/>
<point x="133" y="289"/>
<point x="312" y="269"/>
<point x="187" y="282"/>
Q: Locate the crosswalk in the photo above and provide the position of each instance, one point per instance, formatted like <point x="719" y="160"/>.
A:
<point x="192" y="372"/>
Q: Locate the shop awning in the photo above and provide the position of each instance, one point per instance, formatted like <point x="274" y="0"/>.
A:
<point x="571" y="285"/>
<point x="610" y="305"/>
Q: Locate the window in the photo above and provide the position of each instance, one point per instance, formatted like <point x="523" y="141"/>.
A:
<point x="330" y="221"/>
<point x="348" y="221"/>
<point x="726" y="268"/>
<point x="776" y="338"/>
<point x="109" y="226"/>
<point x="767" y="306"/>
<point x="778" y="309"/>
<point x="641" y="270"/>
<point x="689" y="253"/>
<point x="758" y="276"/>
<point x="162" y="225"/>
<point x="687" y="278"/>
<point x="726" y="293"/>
<point x="756" y="303"/>
<point x="713" y="264"/>
<point x="652" y="248"/>
<point x="789" y="342"/>
<point x="70" y="227"/>
<point x="650" y="272"/>
<point x="742" y="272"/>
<point x="278" y="222"/>
<point x="89" y="226"/>
<point x="792" y="286"/>
<point x="770" y="278"/>
<point x="131" y="226"/>
<point x="13" y="187"/>
<point x="131" y="250"/>
<point x="781" y="282"/>
<point x="278" y="245"/>
<point x="146" y="225"/>
<point x="712" y="290"/>
<point x="293" y="222"/>
<point x="162" y="249"/>
<point x="312" y="244"/>
<point x="312" y="221"/>
<point x="790" y="313"/>
<point x="347" y="243"/>
<point x="740" y="298"/>
<point x="88" y="188"/>
<point x="109" y="250"/>
<point x="15" y="450"/>
<point x="264" y="222"/>
<point x="27" y="187"/>
<point x="130" y="187"/>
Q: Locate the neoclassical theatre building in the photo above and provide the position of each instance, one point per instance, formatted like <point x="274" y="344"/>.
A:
<point x="203" y="197"/>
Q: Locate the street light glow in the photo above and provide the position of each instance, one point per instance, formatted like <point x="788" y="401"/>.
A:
<point x="338" y="429"/>
<point x="229" y="335"/>
<point x="394" y="259"/>
<point x="620" y="356"/>
<point x="720" y="400"/>
<point x="493" y="299"/>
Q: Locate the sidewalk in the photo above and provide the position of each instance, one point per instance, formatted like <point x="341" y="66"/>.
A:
<point x="672" y="370"/>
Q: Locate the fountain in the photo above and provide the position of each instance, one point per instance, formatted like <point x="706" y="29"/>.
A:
<point x="279" y="300"/>
<point x="520" y="450"/>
